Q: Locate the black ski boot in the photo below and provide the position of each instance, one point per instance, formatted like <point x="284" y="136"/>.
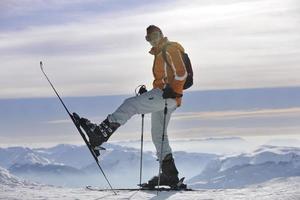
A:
<point x="98" y="134"/>
<point x="168" y="177"/>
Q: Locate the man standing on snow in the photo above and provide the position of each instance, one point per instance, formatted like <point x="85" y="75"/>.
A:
<point x="169" y="78"/>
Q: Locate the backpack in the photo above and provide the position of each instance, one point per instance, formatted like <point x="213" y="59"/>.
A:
<point x="187" y="62"/>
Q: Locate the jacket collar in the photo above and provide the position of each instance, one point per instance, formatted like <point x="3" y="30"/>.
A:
<point x="157" y="50"/>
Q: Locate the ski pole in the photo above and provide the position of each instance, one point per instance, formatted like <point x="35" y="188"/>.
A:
<point x="142" y="145"/>
<point x="162" y="143"/>
<point x="142" y="89"/>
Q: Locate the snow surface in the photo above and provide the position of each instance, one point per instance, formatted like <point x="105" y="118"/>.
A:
<point x="277" y="189"/>
<point x="9" y="180"/>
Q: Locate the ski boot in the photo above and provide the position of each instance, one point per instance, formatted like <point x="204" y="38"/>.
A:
<point x="98" y="134"/>
<point x="168" y="177"/>
<point x="164" y="181"/>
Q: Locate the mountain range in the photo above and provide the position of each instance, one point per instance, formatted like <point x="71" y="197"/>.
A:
<point x="241" y="170"/>
<point x="57" y="166"/>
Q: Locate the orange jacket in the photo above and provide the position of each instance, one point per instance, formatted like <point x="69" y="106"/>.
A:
<point x="163" y="74"/>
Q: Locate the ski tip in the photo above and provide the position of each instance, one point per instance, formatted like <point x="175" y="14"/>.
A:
<point x="41" y="65"/>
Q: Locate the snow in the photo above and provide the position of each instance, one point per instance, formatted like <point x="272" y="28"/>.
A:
<point x="266" y="163"/>
<point x="68" y="163"/>
<point x="9" y="180"/>
<point x="20" y="155"/>
<point x="262" y="155"/>
<point x="202" y="170"/>
<point x="285" y="188"/>
<point x="269" y="172"/>
<point x="74" y="156"/>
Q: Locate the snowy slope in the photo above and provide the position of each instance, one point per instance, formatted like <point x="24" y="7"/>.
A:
<point x="7" y="179"/>
<point x="277" y="189"/>
<point x="266" y="163"/>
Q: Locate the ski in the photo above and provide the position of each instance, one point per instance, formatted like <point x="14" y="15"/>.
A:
<point x="161" y="188"/>
<point x="145" y="187"/>
<point x="95" y="153"/>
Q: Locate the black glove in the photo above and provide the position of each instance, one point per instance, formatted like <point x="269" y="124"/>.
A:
<point x="168" y="92"/>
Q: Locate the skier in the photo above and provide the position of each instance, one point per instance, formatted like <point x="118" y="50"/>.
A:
<point x="167" y="91"/>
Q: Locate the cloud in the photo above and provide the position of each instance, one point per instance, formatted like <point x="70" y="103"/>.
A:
<point x="237" y="44"/>
<point x="255" y="132"/>
<point x="255" y="123"/>
<point x="233" y="115"/>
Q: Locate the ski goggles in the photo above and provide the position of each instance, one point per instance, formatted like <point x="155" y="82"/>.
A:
<point x="152" y="36"/>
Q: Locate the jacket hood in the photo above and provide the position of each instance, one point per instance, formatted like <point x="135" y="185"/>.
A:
<point x="158" y="49"/>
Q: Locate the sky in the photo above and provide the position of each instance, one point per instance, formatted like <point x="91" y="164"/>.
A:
<point x="91" y="48"/>
<point x="256" y="115"/>
<point x="98" y="48"/>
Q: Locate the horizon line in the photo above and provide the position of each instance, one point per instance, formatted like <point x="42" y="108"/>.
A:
<point x="126" y="94"/>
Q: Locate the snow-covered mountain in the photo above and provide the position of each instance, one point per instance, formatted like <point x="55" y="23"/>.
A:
<point x="264" y="164"/>
<point x="33" y="165"/>
<point x="71" y="155"/>
<point x="60" y="175"/>
<point x="6" y="178"/>
<point x="73" y="165"/>
<point x="20" y="155"/>
<point x="125" y="162"/>
<point x="43" y="169"/>
<point x="58" y="166"/>
<point x="122" y="160"/>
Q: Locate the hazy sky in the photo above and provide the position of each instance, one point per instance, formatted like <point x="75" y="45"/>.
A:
<point x="259" y="114"/>
<point x="97" y="47"/>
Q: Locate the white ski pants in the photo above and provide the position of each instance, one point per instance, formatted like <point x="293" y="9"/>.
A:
<point x="149" y="102"/>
